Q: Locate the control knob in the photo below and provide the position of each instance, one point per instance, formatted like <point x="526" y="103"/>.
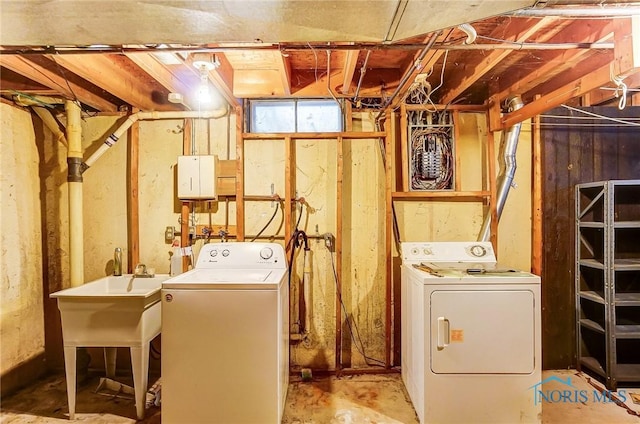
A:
<point x="266" y="253"/>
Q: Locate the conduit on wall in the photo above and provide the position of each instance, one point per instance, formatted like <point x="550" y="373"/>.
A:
<point x="140" y="116"/>
<point x="505" y="180"/>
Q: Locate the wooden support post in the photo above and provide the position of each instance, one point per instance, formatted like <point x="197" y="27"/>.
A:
<point x="536" y="202"/>
<point x="289" y="187"/>
<point x="456" y="135"/>
<point x="184" y="213"/>
<point x="338" y="248"/>
<point x="404" y="135"/>
<point x="239" y="174"/>
<point x="388" y="242"/>
<point x="133" y="201"/>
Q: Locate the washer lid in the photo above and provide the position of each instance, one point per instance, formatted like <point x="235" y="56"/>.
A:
<point x="226" y="278"/>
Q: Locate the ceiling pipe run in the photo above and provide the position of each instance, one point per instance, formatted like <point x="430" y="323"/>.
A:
<point x="30" y="50"/>
<point x="505" y="181"/>
<point x="600" y="11"/>
<point x="140" y="116"/>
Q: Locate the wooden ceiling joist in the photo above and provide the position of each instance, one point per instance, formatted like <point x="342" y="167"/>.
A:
<point x="349" y="69"/>
<point x="48" y="78"/>
<point x="161" y="73"/>
<point x="109" y="73"/>
<point x="460" y="81"/>
<point x="555" y="62"/>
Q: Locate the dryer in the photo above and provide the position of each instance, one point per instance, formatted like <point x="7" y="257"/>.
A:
<point x="225" y="337"/>
<point x="471" y="337"/>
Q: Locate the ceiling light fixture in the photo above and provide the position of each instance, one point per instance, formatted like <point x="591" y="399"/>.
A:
<point x="204" y="63"/>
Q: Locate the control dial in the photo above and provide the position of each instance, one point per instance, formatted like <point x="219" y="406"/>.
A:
<point x="478" y="251"/>
<point x="213" y="253"/>
<point x="266" y="253"/>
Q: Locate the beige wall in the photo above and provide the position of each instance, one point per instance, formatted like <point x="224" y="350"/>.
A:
<point x="21" y="307"/>
<point x="105" y="206"/>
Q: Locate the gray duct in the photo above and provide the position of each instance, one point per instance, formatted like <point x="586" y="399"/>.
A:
<point x="505" y="180"/>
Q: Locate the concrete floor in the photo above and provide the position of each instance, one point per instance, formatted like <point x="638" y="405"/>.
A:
<point x="364" y="399"/>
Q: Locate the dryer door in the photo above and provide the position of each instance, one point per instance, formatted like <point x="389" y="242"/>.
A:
<point x="482" y="331"/>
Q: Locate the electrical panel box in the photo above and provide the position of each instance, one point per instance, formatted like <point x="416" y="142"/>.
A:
<point x="431" y="150"/>
<point x="197" y="177"/>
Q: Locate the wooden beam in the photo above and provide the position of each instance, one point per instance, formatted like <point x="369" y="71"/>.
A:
<point x="349" y="69"/>
<point x="289" y="188"/>
<point x="388" y="239"/>
<point x="607" y="92"/>
<point x="404" y="147"/>
<point x="45" y="76"/>
<point x="554" y="62"/>
<point x="284" y="68"/>
<point x="240" y="173"/>
<point x="460" y="81"/>
<point x="167" y="76"/>
<point x="117" y="75"/>
<point x="587" y="83"/>
<point x="133" y="198"/>
<point x="536" y="201"/>
<point x="185" y="206"/>
<point x="338" y="252"/>
<point x="493" y="189"/>
<point x="222" y="77"/>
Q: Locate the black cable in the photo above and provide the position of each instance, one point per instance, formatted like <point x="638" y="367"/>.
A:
<point x="268" y="223"/>
<point x="359" y="348"/>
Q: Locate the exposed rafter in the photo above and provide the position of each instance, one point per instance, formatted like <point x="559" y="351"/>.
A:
<point x="466" y="76"/>
<point x="349" y="69"/>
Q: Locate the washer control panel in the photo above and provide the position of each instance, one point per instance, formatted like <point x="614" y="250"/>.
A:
<point x="449" y="251"/>
<point x="241" y="255"/>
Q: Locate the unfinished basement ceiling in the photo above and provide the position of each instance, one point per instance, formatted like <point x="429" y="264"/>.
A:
<point x="112" y="56"/>
<point x="82" y="22"/>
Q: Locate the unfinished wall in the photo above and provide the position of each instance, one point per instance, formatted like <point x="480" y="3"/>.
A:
<point x="21" y="310"/>
<point x="430" y="220"/>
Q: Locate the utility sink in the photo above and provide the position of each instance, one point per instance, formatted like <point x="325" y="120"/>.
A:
<point x="111" y="312"/>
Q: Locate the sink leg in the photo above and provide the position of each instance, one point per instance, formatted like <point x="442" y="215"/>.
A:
<point x="140" y="366"/>
<point x="70" y="371"/>
<point x="110" y="361"/>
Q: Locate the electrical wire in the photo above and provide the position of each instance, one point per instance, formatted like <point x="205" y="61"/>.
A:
<point x="359" y="347"/>
<point x="620" y="121"/>
<point x="275" y="212"/>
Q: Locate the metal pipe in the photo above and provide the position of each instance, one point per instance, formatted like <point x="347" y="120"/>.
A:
<point x="416" y="64"/>
<point x="363" y="71"/>
<point x="74" y="178"/>
<point x="600" y="11"/>
<point x="29" y="50"/>
<point x="509" y="147"/>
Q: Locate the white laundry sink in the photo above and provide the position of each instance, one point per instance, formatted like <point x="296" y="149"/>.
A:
<point x="111" y="312"/>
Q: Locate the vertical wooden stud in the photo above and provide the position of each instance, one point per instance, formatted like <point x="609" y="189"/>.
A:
<point x="493" y="189"/>
<point x="133" y="200"/>
<point x="389" y="179"/>
<point x="536" y="204"/>
<point x="338" y="248"/>
<point x="239" y="174"/>
<point x="184" y="213"/>
<point x="289" y="187"/>
<point x="404" y="131"/>
<point x="456" y="136"/>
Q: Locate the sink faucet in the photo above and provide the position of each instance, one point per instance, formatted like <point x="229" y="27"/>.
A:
<point x="141" y="272"/>
<point x="117" y="262"/>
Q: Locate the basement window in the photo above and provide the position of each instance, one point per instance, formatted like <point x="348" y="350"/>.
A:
<point x="295" y="116"/>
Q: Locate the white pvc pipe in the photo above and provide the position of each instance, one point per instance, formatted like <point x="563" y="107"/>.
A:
<point x="141" y="116"/>
<point x="76" y="246"/>
<point x="50" y="122"/>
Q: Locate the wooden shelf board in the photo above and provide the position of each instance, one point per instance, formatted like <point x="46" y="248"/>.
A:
<point x="628" y="299"/>
<point x="592" y="263"/>
<point x="592" y="325"/>
<point x="593" y="364"/>
<point x="592" y="296"/>
<point x="628" y="332"/>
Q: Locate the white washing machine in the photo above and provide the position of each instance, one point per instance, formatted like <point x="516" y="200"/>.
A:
<point x="471" y="341"/>
<point x="225" y="337"/>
